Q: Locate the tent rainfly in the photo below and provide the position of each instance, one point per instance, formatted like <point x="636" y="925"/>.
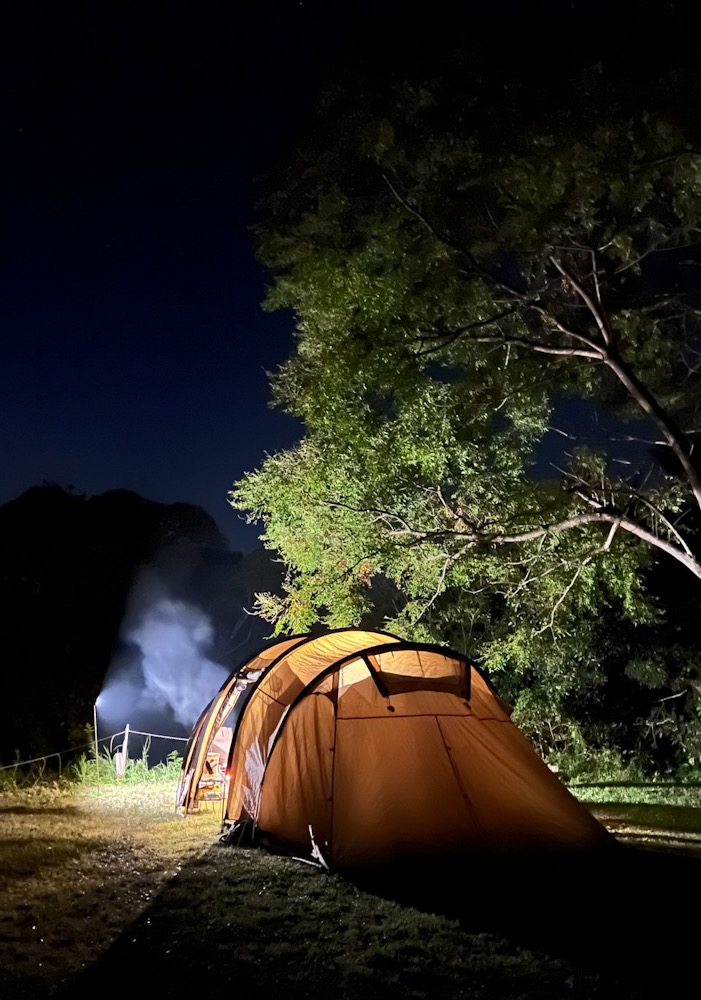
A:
<point x="354" y="748"/>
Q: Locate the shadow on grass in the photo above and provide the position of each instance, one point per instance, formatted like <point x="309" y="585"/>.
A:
<point x="624" y="915"/>
<point x="664" y="820"/>
<point x="39" y="810"/>
<point x="536" y="928"/>
<point x="21" y="858"/>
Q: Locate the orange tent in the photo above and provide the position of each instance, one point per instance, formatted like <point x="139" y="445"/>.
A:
<point x="355" y="748"/>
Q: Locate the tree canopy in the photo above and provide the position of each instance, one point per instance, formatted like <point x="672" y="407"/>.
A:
<point x="462" y="261"/>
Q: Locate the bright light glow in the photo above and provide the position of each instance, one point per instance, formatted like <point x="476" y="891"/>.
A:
<point x="117" y="700"/>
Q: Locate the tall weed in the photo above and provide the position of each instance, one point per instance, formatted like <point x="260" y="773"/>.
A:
<point x="86" y="770"/>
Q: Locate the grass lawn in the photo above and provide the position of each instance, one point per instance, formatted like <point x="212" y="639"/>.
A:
<point x="116" y="894"/>
<point x="75" y="870"/>
<point x="666" y="815"/>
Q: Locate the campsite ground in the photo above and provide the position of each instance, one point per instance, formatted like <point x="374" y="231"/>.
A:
<point x="103" y="892"/>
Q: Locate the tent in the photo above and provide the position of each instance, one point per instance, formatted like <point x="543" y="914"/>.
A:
<point x="354" y="748"/>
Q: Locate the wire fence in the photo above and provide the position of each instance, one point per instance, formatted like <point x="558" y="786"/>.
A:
<point x="84" y="746"/>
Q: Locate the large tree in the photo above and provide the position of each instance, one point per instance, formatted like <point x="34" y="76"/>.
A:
<point x="461" y="265"/>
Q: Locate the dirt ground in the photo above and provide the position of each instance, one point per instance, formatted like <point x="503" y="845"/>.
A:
<point x="111" y="894"/>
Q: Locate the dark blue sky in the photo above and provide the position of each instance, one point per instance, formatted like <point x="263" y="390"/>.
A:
<point x="133" y="346"/>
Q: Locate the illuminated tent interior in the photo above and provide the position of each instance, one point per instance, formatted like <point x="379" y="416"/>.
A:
<point x="355" y="748"/>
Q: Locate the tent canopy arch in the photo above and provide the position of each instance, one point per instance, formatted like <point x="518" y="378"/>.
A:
<point x="234" y="694"/>
<point x="356" y="748"/>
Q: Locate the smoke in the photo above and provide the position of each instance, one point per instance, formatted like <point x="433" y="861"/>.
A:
<point x="163" y="666"/>
<point x="173" y="638"/>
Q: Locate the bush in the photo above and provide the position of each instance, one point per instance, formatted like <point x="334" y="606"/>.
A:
<point x="601" y="766"/>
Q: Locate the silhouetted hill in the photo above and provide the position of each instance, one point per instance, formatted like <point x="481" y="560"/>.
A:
<point x="68" y="564"/>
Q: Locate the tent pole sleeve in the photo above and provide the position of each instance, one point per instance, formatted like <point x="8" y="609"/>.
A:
<point x="375" y="674"/>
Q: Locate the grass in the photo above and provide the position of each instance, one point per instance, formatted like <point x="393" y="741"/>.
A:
<point x="658" y="813"/>
<point x="94" y="886"/>
<point x="653" y="793"/>
<point x="86" y="772"/>
<point x="77" y="868"/>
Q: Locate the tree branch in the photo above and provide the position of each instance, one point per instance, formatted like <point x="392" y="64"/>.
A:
<point x="539" y="346"/>
<point x="480" y="540"/>
<point x="595" y="310"/>
<point x="448" y="241"/>
<point x="673" y="436"/>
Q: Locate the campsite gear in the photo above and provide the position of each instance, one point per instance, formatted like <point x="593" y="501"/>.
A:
<point x="355" y="748"/>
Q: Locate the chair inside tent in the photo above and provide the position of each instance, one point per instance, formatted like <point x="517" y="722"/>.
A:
<point x="357" y="748"/>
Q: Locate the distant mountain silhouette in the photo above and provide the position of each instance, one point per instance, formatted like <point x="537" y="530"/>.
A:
<point x="68" y="564"/>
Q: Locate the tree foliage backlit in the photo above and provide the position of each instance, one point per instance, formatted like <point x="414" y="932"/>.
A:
<point x="460" y="266"/>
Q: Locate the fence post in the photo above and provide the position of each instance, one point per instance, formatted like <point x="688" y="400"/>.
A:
<point x="97" y="758"/>
<point x="122" y="758"/>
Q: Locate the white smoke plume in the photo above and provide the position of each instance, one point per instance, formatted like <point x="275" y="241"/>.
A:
<point x="174" y="637"/>
<point x="163" y="665"/>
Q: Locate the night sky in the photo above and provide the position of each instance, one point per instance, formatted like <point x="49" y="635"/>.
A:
<point x="134" y="348"/>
